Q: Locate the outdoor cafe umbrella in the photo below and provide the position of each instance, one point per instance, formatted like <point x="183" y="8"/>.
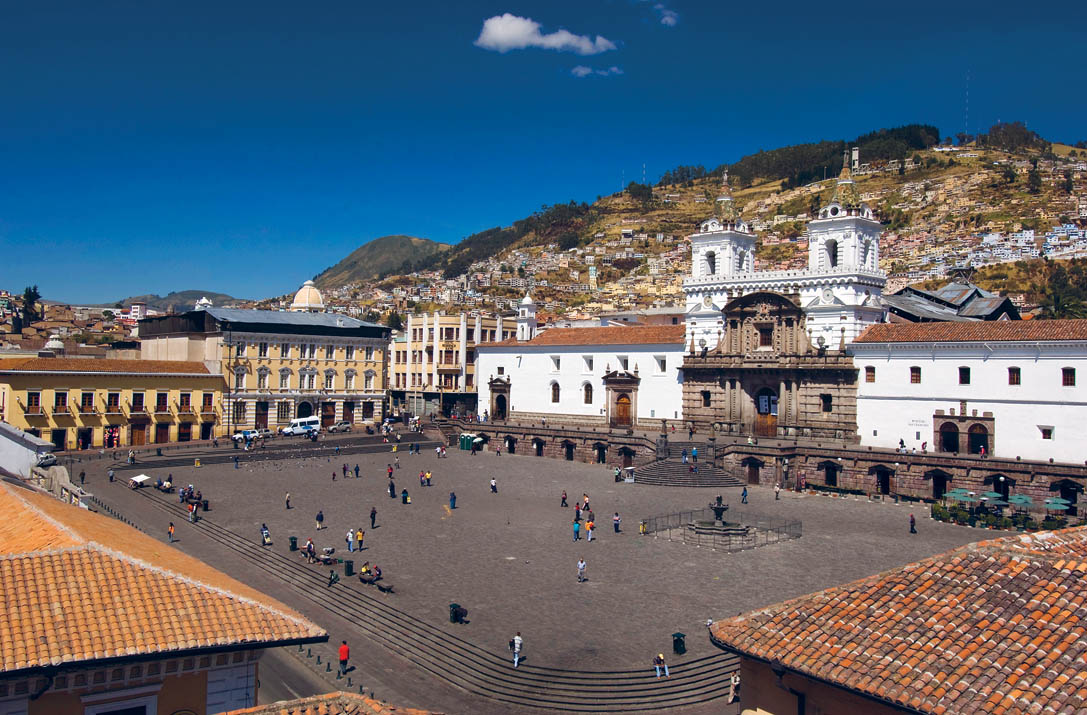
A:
<point x="1022" y="500"/>
<point x="1057" y="504"/>
<point x="963" y="496"/>
<point x="992" y="495"/>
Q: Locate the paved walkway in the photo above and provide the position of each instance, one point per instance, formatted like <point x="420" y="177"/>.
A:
<point x="510" y="558"/>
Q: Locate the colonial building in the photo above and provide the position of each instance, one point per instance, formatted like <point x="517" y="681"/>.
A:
<point x="101" y="619"/>
<point x="1011" y="388"/>
<point x="840" y="291"/>
<point x="954" y="301"/>
<point x="610" y="376"/>
<point x="433" y="361"/>
<point x="281" y="365"/>
<point x="762" y="376"/>
<point x="991" y="627"/>
<point x="80" y="403"/>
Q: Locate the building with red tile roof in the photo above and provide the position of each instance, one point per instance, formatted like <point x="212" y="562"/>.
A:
<point x="992" y="627"/>
<point x="92" y="610"/>
<point x="337" y="703"/>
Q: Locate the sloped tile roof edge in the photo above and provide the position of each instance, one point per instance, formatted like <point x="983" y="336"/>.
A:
<point x="326" y="703"/>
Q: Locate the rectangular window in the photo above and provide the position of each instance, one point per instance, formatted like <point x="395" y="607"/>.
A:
<point x="311" y="353"/>
<point x="766" y="337"/>
<point x="468" y="381"/>
<point x="915" y="375"/>
<point x="285" y="350"/>
<point x="283" y="412"/>
<point x="262" y="381"/>
<point x="1068" y="376"/>
<point x="556" y="361"/>
<point x="1014" y="376"/>
<point x="86" y="402"/>
<point x="349" y="352"/>
<point x="369" y="353"/>
<point x="706" y="398"/>
<point x="162" y="402"/>
<point x="240" y="348"/>
<point x="369" y="383"/>
<point x="284" y="380"/>
<point x="60" y="400"/>
<point x="239" y="413"/>
<point x="34" y="402"/>
<point x="137" y="402"/>
<point x="623" y="362"/>
<point x="588" y="363"/>
<point x="113" y="402"/>
<point x="1047" y="432"/>
<point x="471" y="335"/>
<point x="826" y="402"/>
<point x="501" y="370"/>
<point x="349" y="381"/>
<point x="662" y="365"/>
<point x="964" y="376"/>
<point x="330" y="352"/>
<point x="239" y="381"/>
<point x="184" y="401"/>
<point x="207" y="400"/>
<point x="869" y="374"/>
<point x="328" y="381"/>
<point x="262" y="350"/>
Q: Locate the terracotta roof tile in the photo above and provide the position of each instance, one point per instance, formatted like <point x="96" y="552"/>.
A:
<point x="338" y="703"/>
<point x="992" y="627"/>
<point x="632" y="335"/>
<point x="63" y="364"/>
<point x="992" y="331"/>
<point x="77" y="586"/>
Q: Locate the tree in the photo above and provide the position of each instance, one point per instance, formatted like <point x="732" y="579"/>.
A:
<point x="394" y="321"/>
<point x="1008" y="174"/>
<point x="1034" y="180"/>
<point x="31" y="296"/>
<point x="640" y="192"/>
<point x="1067" y="184"/>
<point x="107" y="315"/>
<point x="568" y="240"/>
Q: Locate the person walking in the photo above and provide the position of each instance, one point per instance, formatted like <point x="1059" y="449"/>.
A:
<point x="345" y="471"/>
<point x="82" y="477"/>
<point x="615" y="521"/>
<point x="777" y="492"/>
<point x="333" y="475"/>
<point x="494" y="486"/>
<point x="580" y="570"/>
<point x="287" y="500"/>
<point x="373" y="517"/>
<point x="733" y="686"/>
<point x="516" y="645"/>
<point x="429" y="476"/>
<point x="404" y="498"/>
<point x="589" y="526"/>
<point x="452" y="500"/>
<point x="350" y="540"/>
<point x="356" y="471"/>
<point x="320" y="519"/>
<point x="743" y="496"/>
<point x="683" y="455"/>
<point x="359" y="535"/>
<point x="422" y="478"/>
<point x="913" y="525"/>
<point x="563" y="503"/>
<point x="694" y="454"/>
<point x="392" y="489"/>
<point x="396" y="461"/>
<point x="389" y="470"/>
<point x="170" y="533"/>
<point x="659" y="664"/>
<point x="345" y="655"/>
<point x="110" y="473"/>
<point x="577" y="530"/>
<point x="577" y="512"/>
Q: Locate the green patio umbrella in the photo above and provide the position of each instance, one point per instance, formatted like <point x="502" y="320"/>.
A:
<point x="1020" y="500"/>
<point x="992" y="495"/>
<point x="997" y="502"/>
<point x="963" y="497"/>
<point x="1057" y="504"/>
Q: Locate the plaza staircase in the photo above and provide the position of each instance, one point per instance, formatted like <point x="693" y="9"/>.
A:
<point x="465" y="665"/>
<point x="672" y="472"/>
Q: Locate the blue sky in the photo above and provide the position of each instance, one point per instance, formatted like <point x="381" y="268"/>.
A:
<point x="244" y="147"/>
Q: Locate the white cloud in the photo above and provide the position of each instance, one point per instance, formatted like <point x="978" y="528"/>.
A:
<point x="583" y="71"/>
<point x="667" y="16"/>
<point x="506" y="32"/>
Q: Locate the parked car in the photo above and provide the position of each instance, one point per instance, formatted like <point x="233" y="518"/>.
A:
<point x="47" y="460"/>
<point x="244" y="435"/>
<point x="302" y="426"/>
<point x="340" y="427"/>
<point x="265" y="433"/>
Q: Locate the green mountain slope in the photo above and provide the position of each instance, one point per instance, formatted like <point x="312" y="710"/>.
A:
<point x="380" y="257"/>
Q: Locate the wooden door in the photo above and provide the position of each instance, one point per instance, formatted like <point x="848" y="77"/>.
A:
<point x="328" y="414"/>
<point x="752" y="473"/>
<point x="766" y="425"/>
<point x="162" y="433"/>
<point x="139" y="435"/>
<point x="261" y="418"/>
<point x="622" y="411"/>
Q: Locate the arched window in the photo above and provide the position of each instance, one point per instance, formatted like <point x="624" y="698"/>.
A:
<point x="588" y="390"/>
<point x="832" y="253"/>
<point x="711" y="264"/>
<point x="554" y="392"/>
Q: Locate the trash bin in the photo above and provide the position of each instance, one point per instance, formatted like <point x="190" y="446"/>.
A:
<point x="293" y="543"/>
<point x="205" y="505"/>
<point x="679" y="646"/>
<point x="348" y="567"/>
<point x="453" y="608"/>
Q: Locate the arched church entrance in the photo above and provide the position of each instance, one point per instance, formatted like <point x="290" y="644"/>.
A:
<point x="766" y="412"/>
<point x="949" y="437"/>
<point x="305" y="409"/>
<point x="979" y="438"/>
<point x="499" y="407"/>
<point x="622" y="411"/>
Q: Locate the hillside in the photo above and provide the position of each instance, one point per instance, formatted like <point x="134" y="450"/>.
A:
<point x="178" y="301"/>
<point x="378" y="258"/>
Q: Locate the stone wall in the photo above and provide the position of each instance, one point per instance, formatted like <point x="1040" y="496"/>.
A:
<point x="553" y="441"/>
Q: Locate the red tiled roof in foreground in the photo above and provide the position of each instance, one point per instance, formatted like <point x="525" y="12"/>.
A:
<point x="77" y="586"/>
<point x="339" y="703"/>
<point x="994" y="331"/>
<point x="992" y="627"/>
<point x="632" y="335"/>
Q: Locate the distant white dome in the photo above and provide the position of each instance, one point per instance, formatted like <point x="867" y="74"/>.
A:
<point x="308" y="299"/>
<point x="527" y="300"/>
<point x="54" y="343"/>
<point x="203" y="303"/>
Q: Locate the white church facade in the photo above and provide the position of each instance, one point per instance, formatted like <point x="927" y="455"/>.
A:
<point x="840" y="291"/>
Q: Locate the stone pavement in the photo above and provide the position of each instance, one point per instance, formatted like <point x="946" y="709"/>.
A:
<point x="510" y="558"/>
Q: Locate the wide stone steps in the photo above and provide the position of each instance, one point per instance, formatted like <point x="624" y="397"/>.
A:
<point x="673" y="473"/>
<point x="470" y="667"/>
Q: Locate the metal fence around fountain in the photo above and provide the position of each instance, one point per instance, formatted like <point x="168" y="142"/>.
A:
<point x="763" y="530"/>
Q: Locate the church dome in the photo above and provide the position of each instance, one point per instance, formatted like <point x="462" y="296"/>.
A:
<point x="54" y="343"/>
<point x="527" y="300"/>
<point x="308" y="299"/>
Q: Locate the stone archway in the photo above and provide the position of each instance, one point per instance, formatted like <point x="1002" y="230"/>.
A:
<point x="499" y="412"/>
<point x="978" y="439"/>
<point x="939" y="478"/>
<point x="600" y="453"/>
<point x="538" y="447"/>
<point x="303" y="410"/>
<point x="568" y="450"/>
<point x="883" y="478"/>
<point x="949" y="437"/>
<point x="1069" y="491"/>
<point x="511" y="444"/>
<point x="627" y="455"/>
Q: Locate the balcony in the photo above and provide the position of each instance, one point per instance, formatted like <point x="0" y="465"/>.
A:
<point x="162" y="409"/>
<point x="448" y="369"/>
<point x="33" y="410"/>
<point x="185" y="409"/>
<point x="207" y="410"/>
<point x="86" y="409"/>
<point x="113" y="409"/>
<point x="135" y="409"/>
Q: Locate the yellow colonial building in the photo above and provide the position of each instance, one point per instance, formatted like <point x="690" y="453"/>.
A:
<point x="280" y="365"/>
<point x="433" y="362"/>
<point x="80" y="403"/>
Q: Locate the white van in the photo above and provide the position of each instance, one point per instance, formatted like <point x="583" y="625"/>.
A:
<point x="302" y="425"/>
